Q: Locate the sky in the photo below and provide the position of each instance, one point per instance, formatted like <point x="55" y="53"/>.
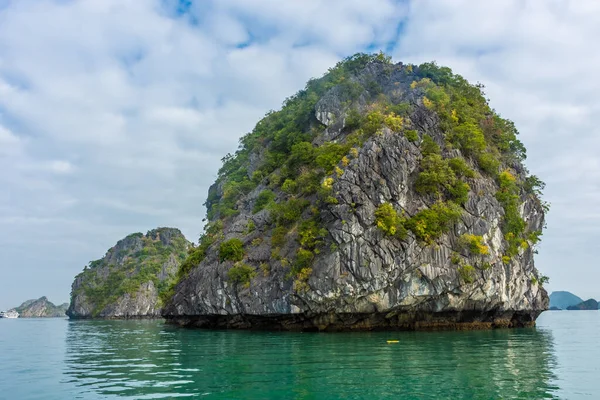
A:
<point x="114" y="114"/>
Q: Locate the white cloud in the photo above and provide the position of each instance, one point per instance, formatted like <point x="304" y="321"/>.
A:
<point x="60" y="167"/>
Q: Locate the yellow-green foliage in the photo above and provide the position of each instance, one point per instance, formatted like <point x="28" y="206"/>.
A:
<point x="301" y="281"/>
<point x="289" y="212"/>
<point x="394" y="122"/>
<point x="250" y="227"/>
<point x="429" y="146"/>
<point x="467" y="273"/>
<point x="513" y="225"/>
<point x="327" y="183"/>
<point x="438" y="177"/>
<point x="387" y="219"/>
<point x="311" y="234"/>
<point x="431" y="223"/>
<point x="460" y="168"/>
<point x="278" y="237"/>
<point x="474" y="244"/>
<point x="304" y="259"/>
<point x="411" y="135"/>
<point x="231" y="250"/>
<point x="241" y="273"/>
<point x="265" y="268"/>
<point x="263" y="200"/>
<point x="455" y="258"/>
<point x="289" y="186"/>
<point x="435" y="176"/>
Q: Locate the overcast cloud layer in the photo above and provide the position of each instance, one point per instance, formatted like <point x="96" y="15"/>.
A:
<point x="114" y="114"/>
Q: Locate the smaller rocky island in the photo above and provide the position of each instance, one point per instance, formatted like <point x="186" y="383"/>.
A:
<point x="589" y="304"/>
<point x="41" y="308"/>
<point x="563" y="300"/>
<point x="132" y="278"/>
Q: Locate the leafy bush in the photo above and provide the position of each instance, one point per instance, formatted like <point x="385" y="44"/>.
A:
<point x="389" y="222"/>
<point x="304" y="259"/>
<point x="278" y="237"/>
<point x="301" y="281"/>
<point x="329" y="155"/>
<point x="459" y="192"/>
<point x="241" y="273"/>
<point x="460" y="168"/>
<point x="488" y="163"/>
<point x="513" y="226"/>
<point x="534" y="185"/>
<point x="435" y="176"/>
<point x="474" y="244"/>
<point x="468" y="138"/>
<point x="467" y="273"/>
<point x="429" y="146"/>
<point x="311" y="234"/>
<point x="263" y="200"/>
<point x="289" y="212"/>
<point x="231" y="250"/>
<point x="431" y="223"/>
<point x="289" y="186"/>
<point x="411" y="135"/>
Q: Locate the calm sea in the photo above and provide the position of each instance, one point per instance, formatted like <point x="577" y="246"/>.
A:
<point x="61" y="359"/>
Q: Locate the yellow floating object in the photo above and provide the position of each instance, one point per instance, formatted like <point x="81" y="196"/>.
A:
<point x="393" y="341"/>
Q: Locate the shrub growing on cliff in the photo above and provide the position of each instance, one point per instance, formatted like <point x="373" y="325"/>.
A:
<point x="264" y="198"/>
<point x="467" y="273"/>
<point x="431" y="223"/>
<point x="241" y="273"/>
<point x="289" y="212"/>
<point x="513" y="225"/>
<point x="231" y="250"/>
<point x="389" y="222"/>
<point x="474" y="244"/>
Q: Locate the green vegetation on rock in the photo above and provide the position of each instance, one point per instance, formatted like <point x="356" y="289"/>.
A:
<point x="231" y="250"/>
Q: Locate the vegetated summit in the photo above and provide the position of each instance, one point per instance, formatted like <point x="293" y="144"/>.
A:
<point x="382" y="196"/>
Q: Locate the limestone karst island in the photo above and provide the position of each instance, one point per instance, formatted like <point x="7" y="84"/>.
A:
<point x="381" y="196"/>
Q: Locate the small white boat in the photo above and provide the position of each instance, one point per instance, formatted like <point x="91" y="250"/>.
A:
<point x="9" y="314"/>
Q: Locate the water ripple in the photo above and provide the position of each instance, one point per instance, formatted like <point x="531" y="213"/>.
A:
<point x="149" y="360"/>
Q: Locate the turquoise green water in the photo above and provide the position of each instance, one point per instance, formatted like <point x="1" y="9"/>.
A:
<point x="60" y="359"/>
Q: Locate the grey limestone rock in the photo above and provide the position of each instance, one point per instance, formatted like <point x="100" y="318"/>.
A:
<point x="364" y="279"/>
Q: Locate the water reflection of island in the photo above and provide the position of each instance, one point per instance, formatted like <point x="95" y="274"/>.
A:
<point x="147" y="359"/>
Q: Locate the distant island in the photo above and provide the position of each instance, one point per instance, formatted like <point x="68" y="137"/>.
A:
<point x="41" y="308"/>
<point x="590" y="304"/>
<point x="563" y="300"/>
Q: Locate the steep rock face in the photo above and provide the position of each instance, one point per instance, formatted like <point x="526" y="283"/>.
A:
<point x="41" y="308"/>
<point x="353" y="268"/>
<point x="130" y="279"/>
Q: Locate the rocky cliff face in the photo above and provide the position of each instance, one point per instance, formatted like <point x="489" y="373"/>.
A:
<point x="383" y="196"/>
<point x="41" y="308"/>
<point x="130" y="279"/>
